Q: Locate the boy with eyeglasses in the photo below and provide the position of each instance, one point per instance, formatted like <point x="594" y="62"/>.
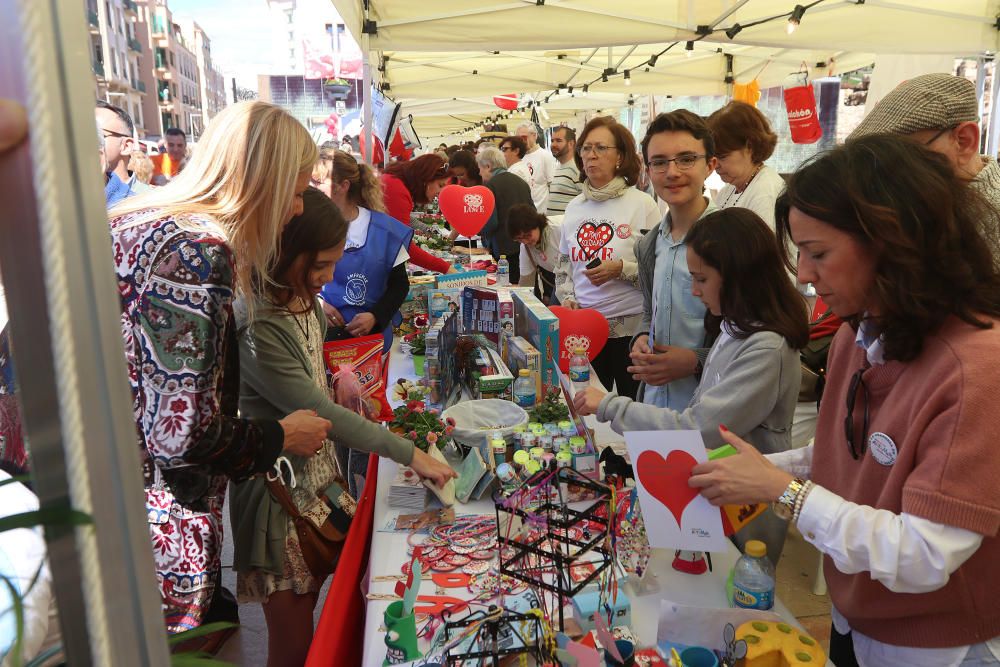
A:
<point x="671" y="346"/>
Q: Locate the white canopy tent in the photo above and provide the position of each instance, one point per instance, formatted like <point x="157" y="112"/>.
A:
<point x="443" y="59"/>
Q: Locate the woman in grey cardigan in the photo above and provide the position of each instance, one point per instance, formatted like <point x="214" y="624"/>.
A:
<point x="750" y="382"/>
<point x="281" y="364"/>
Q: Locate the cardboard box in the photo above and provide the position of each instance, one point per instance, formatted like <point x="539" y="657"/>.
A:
<point x="490" y="377"/>
<point x="540" y="327"/>
<point x="464" y="279"/>
<point x="490" y="312"/>
<point x="587" y="603"/>
<point x="441" y="301"/>
<point x="518" y="354"/>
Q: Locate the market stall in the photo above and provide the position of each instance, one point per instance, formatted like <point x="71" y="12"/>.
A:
<point x="539" y="548"/>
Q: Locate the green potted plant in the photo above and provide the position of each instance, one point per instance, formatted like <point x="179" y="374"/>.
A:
<point x="550" y="409"/>
<point x="418" y="350"/>
<point x="421" y="425"/>
<point x="337" y="89"/>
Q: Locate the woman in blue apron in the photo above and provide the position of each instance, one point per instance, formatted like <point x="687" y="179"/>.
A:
<point x="370" y="282"/>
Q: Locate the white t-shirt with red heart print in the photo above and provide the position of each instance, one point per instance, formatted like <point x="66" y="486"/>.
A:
<point x="606" y="230"/>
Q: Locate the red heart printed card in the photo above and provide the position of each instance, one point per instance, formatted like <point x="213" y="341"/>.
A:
<point x="675" y="515"/>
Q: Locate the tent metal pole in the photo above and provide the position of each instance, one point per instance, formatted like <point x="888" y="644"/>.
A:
<point x="994" y="127"/>
<point x="366" y="96"/>
<point x="981" y="95"/>
<point x="66" y="340"/>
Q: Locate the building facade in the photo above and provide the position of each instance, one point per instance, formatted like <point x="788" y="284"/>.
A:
<point x="210" y="80"/>
<point x="117" y="57"/>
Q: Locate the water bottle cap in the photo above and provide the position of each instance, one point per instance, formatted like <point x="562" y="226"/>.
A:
<point x="524" y="372"/>
<point x="756" y="549"/>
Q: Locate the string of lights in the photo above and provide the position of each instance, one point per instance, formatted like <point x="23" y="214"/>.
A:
<point x="793" y="18"/>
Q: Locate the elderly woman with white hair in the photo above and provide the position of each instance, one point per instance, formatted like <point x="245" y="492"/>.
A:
<point x="541" y="163"/>
<point x="508" y="191"/>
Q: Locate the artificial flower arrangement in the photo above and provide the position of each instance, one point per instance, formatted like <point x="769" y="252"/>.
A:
<point x="415" y="343"/>
<point x="423" y="425"/>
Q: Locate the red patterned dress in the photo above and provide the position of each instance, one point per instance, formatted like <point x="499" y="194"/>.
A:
<point x="175" y="279"/>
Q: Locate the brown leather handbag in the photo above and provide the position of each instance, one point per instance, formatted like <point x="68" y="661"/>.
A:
<point x="321" y="544"/>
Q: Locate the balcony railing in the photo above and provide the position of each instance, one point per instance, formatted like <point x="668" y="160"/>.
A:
<point x="135" y="45"/>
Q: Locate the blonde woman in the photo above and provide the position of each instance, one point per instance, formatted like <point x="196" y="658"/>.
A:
<point x="370" y="282"/>
<point x="182" y="254"/>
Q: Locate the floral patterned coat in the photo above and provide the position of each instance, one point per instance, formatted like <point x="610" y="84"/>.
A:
<point x="176" y="286"/>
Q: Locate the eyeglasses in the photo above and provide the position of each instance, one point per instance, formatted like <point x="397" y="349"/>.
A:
<point x="507" y="149"/>
<point x="659" y="165"/>
<point x="599" y="149"/>
<point x="940" y="134"/>
<point x="852" y="393"/>
<point x="112" y="133"/>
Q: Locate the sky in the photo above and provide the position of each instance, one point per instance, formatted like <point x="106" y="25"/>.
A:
<point x="240" y="33"/>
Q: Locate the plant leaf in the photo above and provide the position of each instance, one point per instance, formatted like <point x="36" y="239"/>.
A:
<point x="15" y="650"/>
<point x="200" y="631"/>
<point x="46" y="516"/>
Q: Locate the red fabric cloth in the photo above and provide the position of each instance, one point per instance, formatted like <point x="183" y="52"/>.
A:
<point x="336" y="641"/>
<point x="399" y="204"/>
<point x="827" y="327"/>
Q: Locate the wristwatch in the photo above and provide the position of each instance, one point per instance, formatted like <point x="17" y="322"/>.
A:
<point x="784" y="506"/>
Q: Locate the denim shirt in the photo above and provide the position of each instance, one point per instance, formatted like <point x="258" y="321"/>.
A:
<point x="678" y="315"/>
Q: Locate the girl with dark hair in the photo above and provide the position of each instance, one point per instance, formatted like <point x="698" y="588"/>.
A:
<point x="370" y="282"/>
<point x="539" y="238"/>
<point x="751" y="378"/>
<point x="899" y="491"/>
<point x="416" y="181"/>
<point x="597" y="266"/>
<point x="281" y="364"/>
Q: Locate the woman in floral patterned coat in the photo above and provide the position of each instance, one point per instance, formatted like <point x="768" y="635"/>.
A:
<point x="182" y="253"/>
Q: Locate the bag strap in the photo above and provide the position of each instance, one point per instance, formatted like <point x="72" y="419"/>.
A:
<point x="280" y="493"/>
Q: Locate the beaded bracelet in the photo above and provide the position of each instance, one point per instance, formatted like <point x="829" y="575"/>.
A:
<point x="800" y="500"/>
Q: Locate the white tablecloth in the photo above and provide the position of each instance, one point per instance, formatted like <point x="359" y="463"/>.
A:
<point x="388" y="552"/>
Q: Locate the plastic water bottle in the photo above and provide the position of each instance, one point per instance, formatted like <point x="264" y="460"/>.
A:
<point x="753" y="578"/>
<point x="503" y="272"/>
<point x="524" y="389"/>
<point x="579" y="369"/>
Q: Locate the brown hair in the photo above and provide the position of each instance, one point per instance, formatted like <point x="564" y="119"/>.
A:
<point x="740" y="125"/>
<point x="517" y="143"/>
<point x="523" y="218"/>
<point x="417" y="173"/>
<point x="680" y="120"/>
<point x="756" y="293"/>
<point x="466" y="160"/>
<point x="320" y="227"/>
<point x="931" y="233"/>
<point x="365" y="188"/>
<point x="630" y="164"/>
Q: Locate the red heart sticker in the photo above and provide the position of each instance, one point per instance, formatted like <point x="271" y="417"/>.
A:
<point x="667" y="479"/>
<point x="466" y="209"/>
<point x="593" y="237"/>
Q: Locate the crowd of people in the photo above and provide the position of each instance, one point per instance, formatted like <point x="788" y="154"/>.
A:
<point x="896" y="231"/>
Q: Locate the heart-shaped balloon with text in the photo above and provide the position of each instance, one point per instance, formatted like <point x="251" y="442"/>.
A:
<point x="666" y="479"/>
<point x="584" y="328"/>
<point x="466" y="209"/>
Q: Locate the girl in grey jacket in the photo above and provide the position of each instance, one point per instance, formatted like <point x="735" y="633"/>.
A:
<point x="750" y="382"/>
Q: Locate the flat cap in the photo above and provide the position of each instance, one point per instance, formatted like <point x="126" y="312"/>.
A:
<point x="926" y="102"/>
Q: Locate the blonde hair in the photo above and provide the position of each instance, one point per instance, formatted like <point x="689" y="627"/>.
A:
<point x="242" y="175"/>
<point x="365" y="188"/>
<point x="140" y="165"/>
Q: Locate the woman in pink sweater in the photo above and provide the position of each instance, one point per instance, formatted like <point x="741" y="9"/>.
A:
<point x="900" y="490"/>
<point x="415" y="182"/>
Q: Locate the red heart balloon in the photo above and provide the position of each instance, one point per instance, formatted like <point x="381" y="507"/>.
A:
<point x="584" y="328"/>
<point x="667" y="479"/>
<point x="466" y="209"/>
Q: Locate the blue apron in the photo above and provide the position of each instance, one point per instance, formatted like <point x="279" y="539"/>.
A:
<point x="361" y="276"/>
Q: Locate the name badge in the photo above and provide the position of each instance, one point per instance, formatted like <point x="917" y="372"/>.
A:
<point x="883" y="449"/>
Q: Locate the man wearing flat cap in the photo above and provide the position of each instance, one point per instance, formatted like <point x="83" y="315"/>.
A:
<point x="940" y="111"/>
